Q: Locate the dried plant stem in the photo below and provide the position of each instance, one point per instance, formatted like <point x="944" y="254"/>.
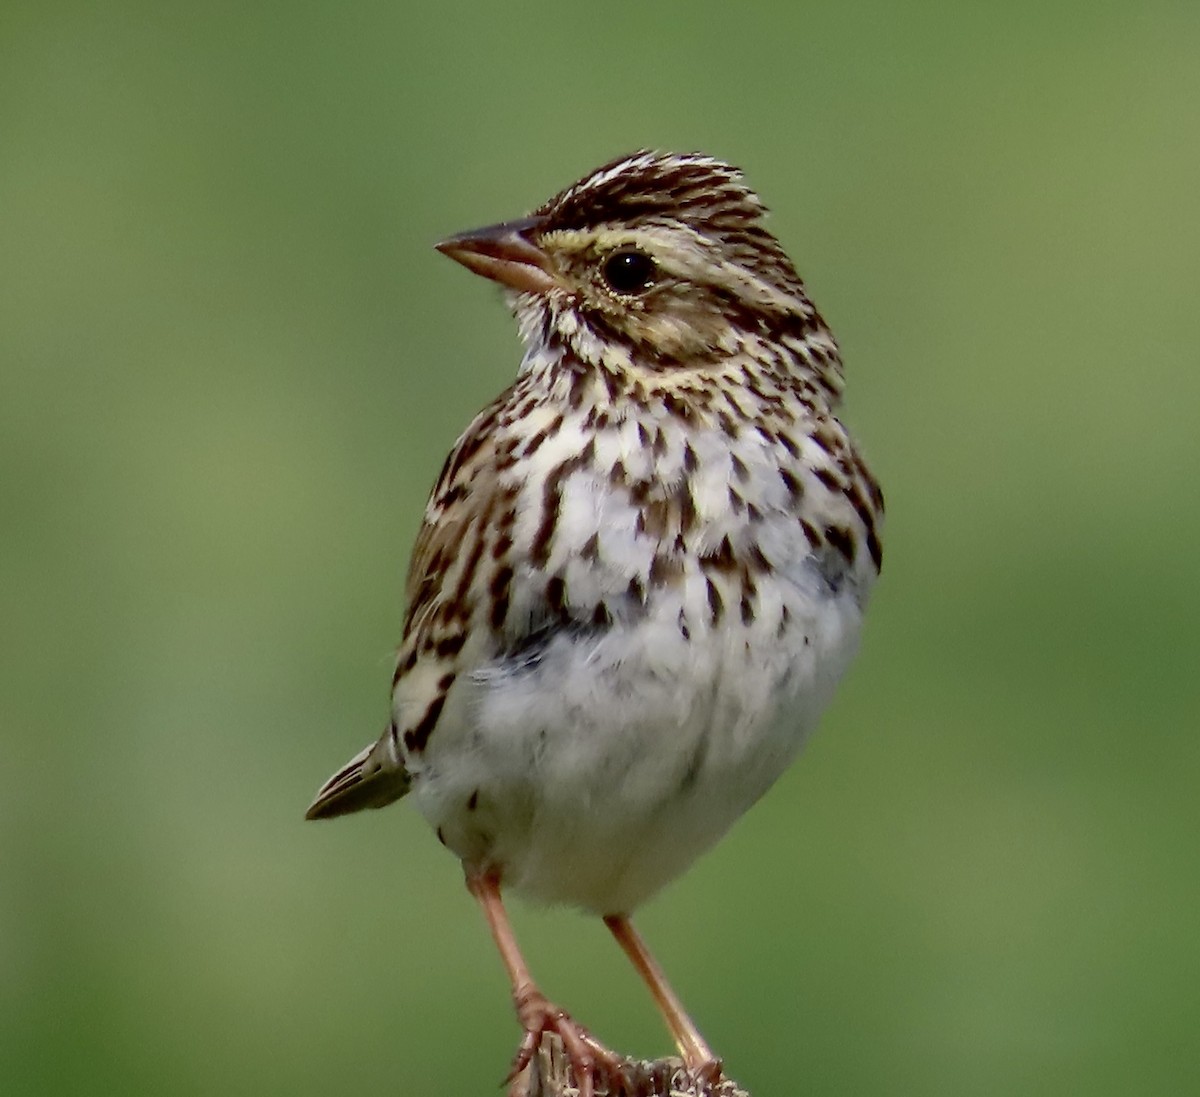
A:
<point x="549" y="1075"/>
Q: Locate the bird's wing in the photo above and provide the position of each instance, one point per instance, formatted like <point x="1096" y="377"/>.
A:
<point x="461" y="518"/>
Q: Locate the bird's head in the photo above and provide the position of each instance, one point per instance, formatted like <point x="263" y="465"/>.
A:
<point x="655" y="261"/>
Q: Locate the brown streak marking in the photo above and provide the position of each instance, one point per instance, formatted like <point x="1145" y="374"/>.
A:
<point x="687" y="507"/>
<point x="722" y="559"/>
<point x="556" y="594"/>
<point x="575" y="396"/>
<point x="842" y="540"/>
<point x="403" y="666"/>
<point x="758" y="560"/>
<point x="419" y="736"/>
<point x="539" y="551"/>
<point x="825" y="439"/>
<point x="875" y="549"/>
<point x="863" y="509"/>
<point x="828" y="478"/>
<point x="473" y="441"/>
<point x="676" y="407"/>
<point x="452" y="495"/>
<point x="664" y="569"/>
<point x="498" y="589"/>
<point x="467" y="575"/>
<point x="447" y="614"/>
<point x="652" y="518"/>
<point x="714" y="601"/>
<point x="531" y="447"/>
<point x="506" y="455"/>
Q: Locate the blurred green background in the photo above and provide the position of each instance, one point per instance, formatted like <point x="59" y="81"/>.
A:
<point x="231" y="364"/>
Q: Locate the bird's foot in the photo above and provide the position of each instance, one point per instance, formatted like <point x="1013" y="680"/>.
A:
<point x="709" y="1073"/>
<point x="589" y="1059"/>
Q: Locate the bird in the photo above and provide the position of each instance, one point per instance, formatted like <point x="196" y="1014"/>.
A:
<point x="640" y="575"/>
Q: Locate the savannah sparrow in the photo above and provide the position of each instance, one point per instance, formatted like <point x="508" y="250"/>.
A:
<point x="642" y="570"/>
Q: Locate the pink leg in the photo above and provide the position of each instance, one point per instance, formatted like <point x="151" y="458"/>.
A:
<point x="537" y="1014"/>
<point x="697" y="1055"/>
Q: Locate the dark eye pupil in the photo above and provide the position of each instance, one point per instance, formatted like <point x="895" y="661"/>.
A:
<point x="629" y="272"/>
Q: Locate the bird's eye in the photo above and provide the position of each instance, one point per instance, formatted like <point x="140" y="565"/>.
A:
<point x="629" y="272"/>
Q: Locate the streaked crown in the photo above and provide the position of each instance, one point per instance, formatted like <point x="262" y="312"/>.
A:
<point x="658" y="262"/>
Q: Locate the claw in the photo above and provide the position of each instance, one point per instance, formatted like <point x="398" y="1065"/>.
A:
<point x="709" y="1073"/>
<point x="589" y="1059"/>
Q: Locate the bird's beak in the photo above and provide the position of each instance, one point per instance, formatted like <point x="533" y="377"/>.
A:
<point x="505" y="253"/>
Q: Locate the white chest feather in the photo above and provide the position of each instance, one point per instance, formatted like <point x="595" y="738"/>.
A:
<point x="672" y="611"/>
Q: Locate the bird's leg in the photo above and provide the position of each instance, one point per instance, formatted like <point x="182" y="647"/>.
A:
<point x="537" y="1014"/>
<point x="697" y="1055"/>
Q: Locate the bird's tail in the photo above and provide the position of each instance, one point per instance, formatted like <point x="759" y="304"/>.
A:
<point x="373" y="778"/>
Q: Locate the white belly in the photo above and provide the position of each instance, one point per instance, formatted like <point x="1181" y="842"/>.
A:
<point x="597" y="771"/>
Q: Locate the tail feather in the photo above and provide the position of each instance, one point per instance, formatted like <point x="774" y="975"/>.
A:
<point x="373" y="778"/>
